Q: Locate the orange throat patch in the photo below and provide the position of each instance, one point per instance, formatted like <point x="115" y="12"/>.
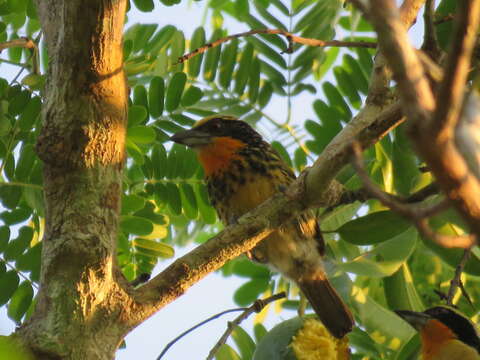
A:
<point x="219" y="153"/>
<point x="434" y="335"/>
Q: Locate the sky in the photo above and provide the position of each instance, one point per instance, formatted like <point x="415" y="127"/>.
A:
<point x="214" y="293"/>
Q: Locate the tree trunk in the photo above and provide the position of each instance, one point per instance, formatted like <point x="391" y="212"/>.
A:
<point x="80" y="302"/>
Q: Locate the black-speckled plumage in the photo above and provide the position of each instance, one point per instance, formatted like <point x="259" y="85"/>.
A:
<point x="240" y="179"/>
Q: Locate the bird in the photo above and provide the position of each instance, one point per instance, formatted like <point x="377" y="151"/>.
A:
<point x="445" y="333"/>
<point x="242" y="170"/>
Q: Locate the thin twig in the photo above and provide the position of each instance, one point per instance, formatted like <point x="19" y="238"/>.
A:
<point x="446" y="241"/>
<point x="216" y="316"/>
<point x="430" y="40"/>
<point x="407" y="210"/>
<point x="290" y="37"/>
<point x="444" y="19"/>
<point x="22" y="42"/>
<point x="350" y="196"/>
<point x="456" y="282"/>
<point x="256" y="307"/>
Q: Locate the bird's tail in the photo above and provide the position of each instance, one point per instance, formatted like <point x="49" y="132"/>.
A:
<point x="328" y="305"/>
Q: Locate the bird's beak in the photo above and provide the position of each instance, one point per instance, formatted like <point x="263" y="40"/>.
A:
<point x="192" y="138"/>
<point x="416" y="319"/>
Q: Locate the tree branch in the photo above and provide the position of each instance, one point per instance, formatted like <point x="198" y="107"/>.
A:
<point x="290" y="37"/>
<point x="433" y="135"/>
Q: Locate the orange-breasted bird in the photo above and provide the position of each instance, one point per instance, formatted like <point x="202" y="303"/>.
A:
<point x="445" y="333"/>
<point x="242" y="171"/>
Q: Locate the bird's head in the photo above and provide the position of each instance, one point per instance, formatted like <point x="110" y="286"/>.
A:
<point x="217" y="140"/>
<point x="442" y="323"/>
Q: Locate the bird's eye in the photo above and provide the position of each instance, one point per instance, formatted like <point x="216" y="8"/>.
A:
<point x="216" y="124"/>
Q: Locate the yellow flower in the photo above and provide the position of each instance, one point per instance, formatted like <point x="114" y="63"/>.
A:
<point x="314" y="342"/>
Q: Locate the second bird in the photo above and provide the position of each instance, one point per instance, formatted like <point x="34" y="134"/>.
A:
<point x="242" y="171"/>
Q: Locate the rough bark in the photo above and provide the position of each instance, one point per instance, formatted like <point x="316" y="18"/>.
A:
<point x="82" y="147"/>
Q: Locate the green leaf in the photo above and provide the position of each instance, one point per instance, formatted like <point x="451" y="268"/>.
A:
<point x="410" y="350"/>
<point x="400" y="291"/>
<point x="277" y="341"/>
<point x="159" y="249"/>
<point x="174" y="199"/>
<point x="30" y="114"/>
<point x="249" y="269"/>
<point x="10" y="196"/>
<point x="175" y="90"/>
<point x="189" y="201"/>
<point x="168" y="126"/>
<point x="156" y="94"/>
<point x="198" y="40"/>
<point x="259" y="331"/>
<point x="141" y="134"/>
<point x="335" y="99"/>
<point x="4" y="237"/>
<point x="191" y="96"/>
<point x="241" y="8"/>
<point x="267" y="15"/>
<point x="365" y="60"/>
<point x="386" y="258"/>
<point x="363" y="343"/>
<point x="25" y="162"/>
<point x="265" y="94"/>
<point x="243" y="70"/>
<point x="227" y="63"/>
<point x="358" y="23"/>
<point x="212" y="58"/>
<point x="405" y="166"/>
<point x="8" y="283"/>
<point x="160" y="39"/>
<point x="347" y="87"/>
<point x="250" y="291"/>
<point x="136" y="225"/>
<point x="254" y="80"/>
<point x="373" y="228"/>
<point x="376" y="318"/>
<point x="34" y="199"/>
<point x="206" y="210"/>
<point x="132" y="203"/>
<point x="244" y="342"/>
<point x="18" y="103"/>
<point x="273" y="74"/>
<point x="18" y="245"/>
<point x="227" y="353"/>
<point x="34" y="81"/>
<point x="177" y="48"/>
<point x="30" y="260"/>
<point x="330" y="57"/>
<point x="352" y="67"/>
<point x="267" y="51"/>
<point x="144" y="5"/>
<point x="20" y="301"/>
<point x="140" y="96"/>
<point x="182" y="119"/>
<point x="300" y="159"/>
<point x="282" y="152"/>
<point x="159" y="161"/>
<point x="136" y="115"/>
